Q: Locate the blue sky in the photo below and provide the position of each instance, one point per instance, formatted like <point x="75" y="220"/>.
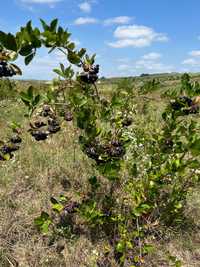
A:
<point x="129" y="37"/>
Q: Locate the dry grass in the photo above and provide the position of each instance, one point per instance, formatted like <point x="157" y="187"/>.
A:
<point x="40" y="170"/>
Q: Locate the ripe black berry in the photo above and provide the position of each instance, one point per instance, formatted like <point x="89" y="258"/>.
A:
<point x="39" y="135"/>
<point x="39" y="124"/>
<point x="92" y="152"/>
<point x="194" y="109"/>
<point x="89" y="77"/>
<point x="71" y="207"/>
<point x="117" y="151"/>
<point x="127" y="122"/>
<point x="53" y="129"/>
<point x="7" y="149"/>
<point x="68" y="116"/>
<point x="6" y="70"/>
<point x="116" y="143"/>
<point x="16" y="139"/>
<point x="181" y="102"/>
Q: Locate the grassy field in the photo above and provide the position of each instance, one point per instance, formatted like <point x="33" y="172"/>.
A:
<point x="56" y="166"/>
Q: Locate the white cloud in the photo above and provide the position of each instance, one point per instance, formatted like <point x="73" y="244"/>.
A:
<point x="152" y="56"/>
<point x="85" y="7"/>
<point x="148" y="63"/>
<point x="124" y="60"/>
<point x="152" y="66"/>
<point x="136" y="36"/>
<point x="123" y="67"/>
<point x="193" y="62"/>
<point x="129" y="42"/>
<point x="195" y="53"/>
<point x="118" y="20"/>
<point x="85" y="20"/>
<point x="41" y="1"/>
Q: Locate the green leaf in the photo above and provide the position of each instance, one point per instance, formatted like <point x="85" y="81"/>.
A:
<point x="44" y="25"/>
<point x="26" y="102"/>
<point x="43" y="222"/>
<point x="62" y="68"/>
<point x="29" y="26"/>
<point x="195" y="147"/>
<point x="94" y="182"/>
<point x="8" y="41"/>
<point x="148" y="248"/>
<point x="36" y="100"/>
<point x="30" y="92"/>
<point x="3" y="37"/>
<point x="141" y="209"/>
<point x="120" y="247"/>
<point x="11" y="43"/>
<point x="82" y="52"/>
<point x="178" y="263"/>
<point x="110" y="170"/>
<point x="62" y="198"/>
<point x="25" y="98"/>
<point x="53" y="25"/>
<point x="92" y="59"/>
<point x="59" y="72"/>
<point x="53" y="200"/>
<point x="73" y="57"/>
<point x="29" y="58"/>
<point x="71" y="46"/>
<point x="7" y="156"/>
<point x="35" y="40"/>
<point x="57" y="207"/>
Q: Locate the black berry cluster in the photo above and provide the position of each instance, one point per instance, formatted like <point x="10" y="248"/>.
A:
<point x="184" y="105"/>
<point x="181" y="102"/>
<point x="45" y="125"/>
<point x="39" y="135"/>
<point x="68" y="116"/>
<point x="7" y="149"/>
<point x="71" y="207"/>
<point x="103" y="153"/>
<point x="166" y="144"/>
<point x="6" y="70"/>
<point x="127" y="121"/>
<point x="90" y="74"/>
<point x="53" y="125"/>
